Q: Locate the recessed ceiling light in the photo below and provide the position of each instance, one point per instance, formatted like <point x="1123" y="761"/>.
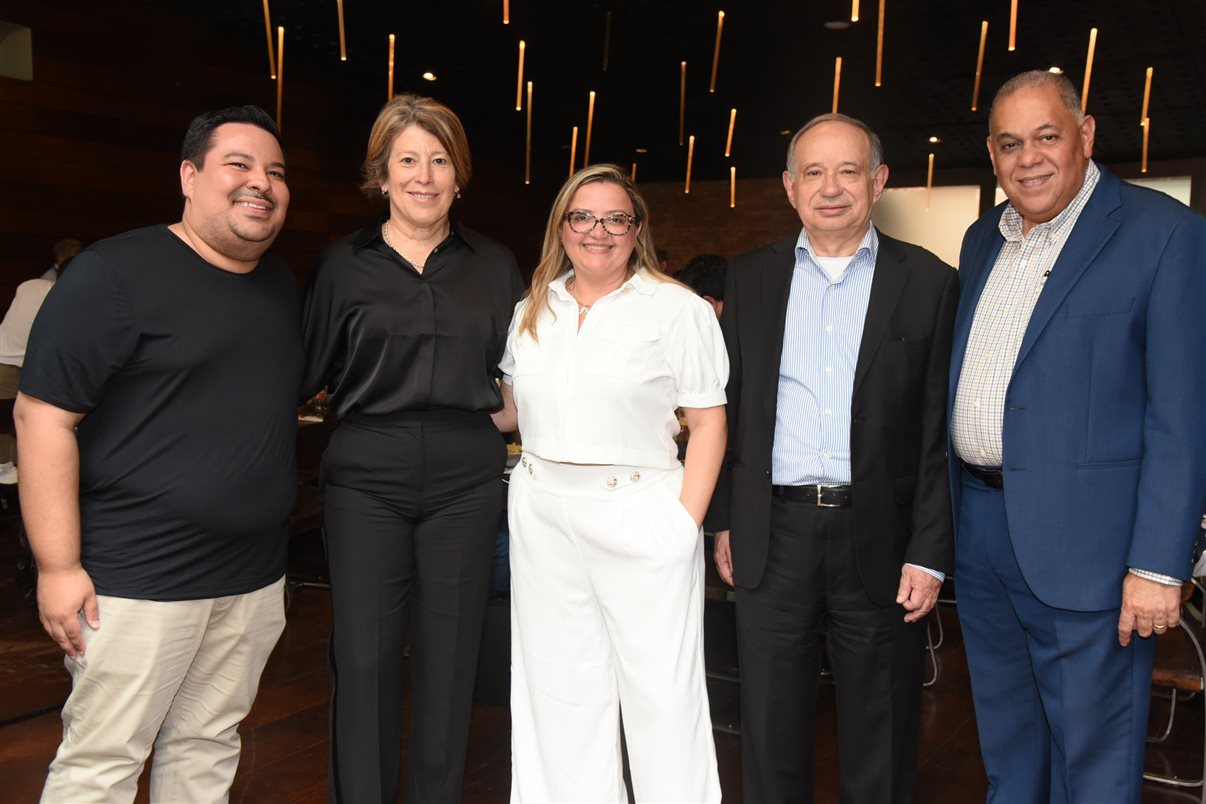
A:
<point x="935" y="139"/>
<point x="1055" y="70"/>
<point x="837" y="25"/>
<point x="784" y="133"/>
<point x="642" y="150"/>
<point x="429" y="76"/>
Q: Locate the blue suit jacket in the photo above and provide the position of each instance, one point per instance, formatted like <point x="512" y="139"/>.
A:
<point x="1104" y="430"/>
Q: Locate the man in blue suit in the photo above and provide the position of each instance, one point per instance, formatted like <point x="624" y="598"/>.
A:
<point x="1078" y="463"/>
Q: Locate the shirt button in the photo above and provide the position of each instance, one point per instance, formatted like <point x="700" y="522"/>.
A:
<point x="829" y="369"/>
<point x="612" y="482"/>
<point x="635" y="477"/>
<point x="825" y="454"/>
<point x="983" y="454"/>
<point x="976" y="404"/>
<point x="828" y="412"/>
<point x="829" y="327"/>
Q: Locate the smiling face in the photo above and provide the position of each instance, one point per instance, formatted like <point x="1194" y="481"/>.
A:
<point x="598" y="254"/>
<point x="422" y="181"/>
<point x="236" y="200"/>
<point x="1039" y="152"/>
<point x="834" y="188"/>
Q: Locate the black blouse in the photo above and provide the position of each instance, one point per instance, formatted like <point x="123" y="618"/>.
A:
<point x="383" y="338"/>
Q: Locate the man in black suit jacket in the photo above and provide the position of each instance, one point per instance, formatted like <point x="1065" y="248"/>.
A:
<point x="833" y="510"/>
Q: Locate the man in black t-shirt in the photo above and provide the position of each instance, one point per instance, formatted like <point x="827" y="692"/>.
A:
<point x="156" y="422"/>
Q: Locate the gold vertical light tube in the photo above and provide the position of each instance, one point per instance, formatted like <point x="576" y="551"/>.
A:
<point x="837" y="81"/>
<point x="728" y="143"/>
<point x="716" y="52"/>
<point x="879" y="47"/>
<point x="979" y="64"/>
<point x="854" y="10"/>
<point x="280" y="74"/>
<point x="632" y="175"/>
<point x="527" y="156"/>
<point x="390" y="89"/>
<point x="573" y="150"/>
<point x="682" y="102"/>
<point x="268" y="35"/>
<point x="929" y="182"/>
<point x="1147" y="132"/>
<point x="343" y="41"/>
<point x="506" y="12"/>
<point x="690" y="156"/>
<point x="519" y="80"/>
<point x="1147" y="96"/>
<point x="1013" y="25"/>
<point x="590" y="124"/>
<point x="732" y="187"/>
<point x="1084" y="92"/>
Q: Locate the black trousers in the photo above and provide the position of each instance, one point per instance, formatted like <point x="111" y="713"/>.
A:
<point x="412" y="507"/>
<point x="811" y="583"/>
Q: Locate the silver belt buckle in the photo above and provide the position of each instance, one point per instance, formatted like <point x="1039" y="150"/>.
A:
<point x="824" y="504"/>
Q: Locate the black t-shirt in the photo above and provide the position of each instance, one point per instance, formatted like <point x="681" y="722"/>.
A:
<point x="387" y="339"/>
<point x="187" y="376"/>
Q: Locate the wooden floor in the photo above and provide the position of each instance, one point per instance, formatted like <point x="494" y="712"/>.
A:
<point x="285" y="738"/>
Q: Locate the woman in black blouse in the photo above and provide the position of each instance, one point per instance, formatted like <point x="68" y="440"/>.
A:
<point x="405" y="322"/>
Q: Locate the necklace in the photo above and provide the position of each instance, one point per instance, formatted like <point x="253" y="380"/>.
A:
<point x="390" y="243"/>
<point x="583" y="309"/>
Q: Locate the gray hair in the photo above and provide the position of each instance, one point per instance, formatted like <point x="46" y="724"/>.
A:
<point x="877" y="148"/>
<point x="1031" y="79"/>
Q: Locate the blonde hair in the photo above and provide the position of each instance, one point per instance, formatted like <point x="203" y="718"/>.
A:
<point x="428" y="114"/>
<point x="553" y="259"/>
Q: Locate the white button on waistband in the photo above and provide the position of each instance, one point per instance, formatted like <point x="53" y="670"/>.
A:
<point x="612" y="482"/>
<point x="635" y="477"/>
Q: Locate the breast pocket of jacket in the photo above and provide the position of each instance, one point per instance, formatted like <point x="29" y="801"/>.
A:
<point x="628" y="350"/>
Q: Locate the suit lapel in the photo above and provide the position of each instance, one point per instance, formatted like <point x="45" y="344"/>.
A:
<point x="776" y="285"/>
<point x="1092" y="231"/>
<point x="891" y="275"/>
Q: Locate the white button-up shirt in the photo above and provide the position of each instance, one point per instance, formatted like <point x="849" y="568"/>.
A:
<point x="606" y="393"/>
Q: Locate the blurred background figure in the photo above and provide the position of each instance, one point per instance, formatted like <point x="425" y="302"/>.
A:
<point x="14" y="334"/>
<point x="64" y="249"/>
<point x="704" y="274"/>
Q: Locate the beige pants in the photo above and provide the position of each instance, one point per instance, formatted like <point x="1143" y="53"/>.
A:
<point x="178" y="676"/>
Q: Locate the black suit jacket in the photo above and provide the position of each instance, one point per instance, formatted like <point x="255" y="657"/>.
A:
<point x="901" y="496"/>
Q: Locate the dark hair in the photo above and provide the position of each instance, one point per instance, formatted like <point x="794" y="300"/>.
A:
<point x="200" y="135"/>
<point x="705" y="275"/>
<point x="1069" y="96"/>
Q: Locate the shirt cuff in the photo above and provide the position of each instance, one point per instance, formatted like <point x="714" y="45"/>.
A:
<point x="941" y="576"/>
<point x="1167" y="580"/>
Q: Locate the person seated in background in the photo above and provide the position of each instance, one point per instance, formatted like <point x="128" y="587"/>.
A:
<point x="704" y="274"/>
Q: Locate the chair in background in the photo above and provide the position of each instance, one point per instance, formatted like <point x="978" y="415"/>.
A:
<point x="1179" y="673"/>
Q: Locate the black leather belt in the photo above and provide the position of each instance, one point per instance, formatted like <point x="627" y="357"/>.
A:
<point x="825" y="496"/>
<point x="987" y="475"/>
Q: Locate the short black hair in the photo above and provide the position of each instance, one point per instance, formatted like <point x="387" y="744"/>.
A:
<point x="200" y="135"/>
<point x="705" y="275"/>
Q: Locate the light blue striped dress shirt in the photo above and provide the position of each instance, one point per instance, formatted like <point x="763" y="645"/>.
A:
<point x="821" y="338"/>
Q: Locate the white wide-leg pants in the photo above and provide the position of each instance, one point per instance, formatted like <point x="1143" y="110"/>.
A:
<point x="606" y="613"/>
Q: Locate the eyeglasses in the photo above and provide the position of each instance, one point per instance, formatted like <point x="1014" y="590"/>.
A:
<point x="617" y="223"/>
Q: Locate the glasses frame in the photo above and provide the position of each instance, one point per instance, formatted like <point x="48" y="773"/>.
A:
<point x="596" y="220"/>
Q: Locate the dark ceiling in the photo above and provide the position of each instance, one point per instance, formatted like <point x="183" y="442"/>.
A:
<point x="776" y="67"/>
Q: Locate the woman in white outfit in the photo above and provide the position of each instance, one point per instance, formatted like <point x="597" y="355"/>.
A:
<point x="606" y="546"/>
